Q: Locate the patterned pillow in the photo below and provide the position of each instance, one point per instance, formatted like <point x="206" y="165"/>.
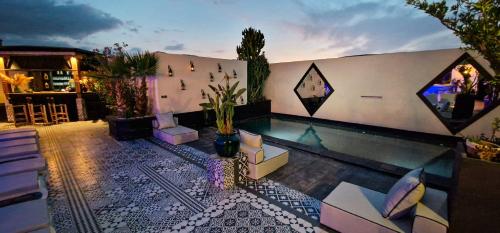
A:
<point x="165" y="120"/>
<point x="404" y="195"/>
<point x="251" y="139"/>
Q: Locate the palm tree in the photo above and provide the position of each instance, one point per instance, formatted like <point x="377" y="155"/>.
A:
<point x="142" y="65"/>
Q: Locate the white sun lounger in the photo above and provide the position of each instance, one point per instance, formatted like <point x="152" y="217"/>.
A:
<point x="19" y="157"/>
<point x="25" y="165"/>
<point x="26" y="185"/>
<point x="19" y="135"/>
<point x="19" y="150"/>
<point x="17" y="130"/>
<point x="18" y="142"/>
<point x="30" y="216"/>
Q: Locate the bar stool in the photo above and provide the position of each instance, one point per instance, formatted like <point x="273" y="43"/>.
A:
<point x="58" y="112"/>
<point x="20" y="115"/>
<point x="37" y="112"/>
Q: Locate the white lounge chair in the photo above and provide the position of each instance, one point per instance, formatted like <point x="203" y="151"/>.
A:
<point x="18" y="142"/>
<point x="175" y="134"/>
<point x="262" y="158"/>
<point x="18" y="135"/>
<point x="30" y="216"/>
<point x="18" y="150"/>
<point x="351" y="208"/>
<point x="25" y="165"/>
<point x="21" y="186"/>
<point x="17" y="130"/>
<point x="19" y="157"/>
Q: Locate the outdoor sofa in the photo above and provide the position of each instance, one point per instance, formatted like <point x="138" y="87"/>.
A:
<point x="166" y="128"/>
<point x="350" y="208"/>
<point x="262" y="158"/>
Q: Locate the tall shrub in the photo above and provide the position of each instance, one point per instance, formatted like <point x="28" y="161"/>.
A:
<point x="250" y="50"/>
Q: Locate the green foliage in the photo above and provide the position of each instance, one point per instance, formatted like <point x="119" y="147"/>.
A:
<point x="474" y="22"/>
<point x="223" y="104"/>
<point x="250" y="50"/>
<point x="142" y="65"/>
<point x="117" y="74"/>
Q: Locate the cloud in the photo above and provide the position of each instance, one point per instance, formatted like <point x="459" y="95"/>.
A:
<point x="45" y="20"/>
<point x="349" y="28"/>
<point x="175" y="47"/>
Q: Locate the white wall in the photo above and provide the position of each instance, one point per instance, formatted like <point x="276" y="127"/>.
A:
<point x="188" y="100"/>
<point x="396" y="77"/>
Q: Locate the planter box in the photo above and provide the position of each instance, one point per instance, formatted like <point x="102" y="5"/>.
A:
<point x="474" y="207"/>
<point x="130" y="128"/>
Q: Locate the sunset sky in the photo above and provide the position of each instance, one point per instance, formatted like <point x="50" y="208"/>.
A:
<point x="294" y="29"/>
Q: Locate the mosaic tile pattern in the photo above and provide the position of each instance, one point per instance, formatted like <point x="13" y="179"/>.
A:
<point x="138" y="186"/>
<point x="294" y="199"/>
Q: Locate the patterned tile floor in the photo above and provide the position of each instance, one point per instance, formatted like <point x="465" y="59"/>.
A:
<point x="97" y="184"/>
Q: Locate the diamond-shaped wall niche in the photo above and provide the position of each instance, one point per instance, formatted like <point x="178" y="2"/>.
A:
<point x="313" y="89"/>
<point x="461" y="94"/>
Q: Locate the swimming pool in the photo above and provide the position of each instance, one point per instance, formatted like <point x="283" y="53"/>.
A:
<point x="436" y="159"/>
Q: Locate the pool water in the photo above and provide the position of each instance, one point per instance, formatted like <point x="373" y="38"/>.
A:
<point x="436" y="159"/>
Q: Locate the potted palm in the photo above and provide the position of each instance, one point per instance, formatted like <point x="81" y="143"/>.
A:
<point x="227" y="142"/>
<point x="122" y="78"/>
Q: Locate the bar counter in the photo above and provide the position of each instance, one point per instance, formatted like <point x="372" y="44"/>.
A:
<point x="94" y="106"/>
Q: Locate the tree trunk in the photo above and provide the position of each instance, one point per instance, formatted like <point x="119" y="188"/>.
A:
<point x="141" y="104"/>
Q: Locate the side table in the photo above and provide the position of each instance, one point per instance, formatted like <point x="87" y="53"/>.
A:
<point x="225" y="172"/>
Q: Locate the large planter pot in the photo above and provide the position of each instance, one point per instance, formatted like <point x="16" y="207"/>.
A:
<point x="227" y="145"/>
<point x="464" y="106"/>
<point x="130" y="128"/>
<point x="475" y="201"/>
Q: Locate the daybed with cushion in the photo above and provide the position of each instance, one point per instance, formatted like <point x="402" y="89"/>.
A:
<point x="350" y="208"/>
<point x="262" y="158"/>
<point x="166" y="128"/>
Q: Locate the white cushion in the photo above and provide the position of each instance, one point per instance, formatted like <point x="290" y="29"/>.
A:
<point x="176" y="135"/>
<point x="165" y="120"/>
<point x="253" y="140"/>
<point x="404" y="195"/>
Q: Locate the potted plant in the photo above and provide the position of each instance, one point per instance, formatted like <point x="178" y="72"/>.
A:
<point x="122" y="79"/>
<point x="227" y="142"/>
<point x="464" y="101"/>
<point x="485" y="148"/>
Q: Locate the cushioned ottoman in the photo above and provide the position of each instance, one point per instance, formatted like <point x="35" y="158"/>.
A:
<point x="351" y="208"/>
<point x="25" y="165"/>
<point x="176" y="135"/>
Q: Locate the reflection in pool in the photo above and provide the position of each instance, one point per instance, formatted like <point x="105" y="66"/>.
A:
<point x="436" y="159"/>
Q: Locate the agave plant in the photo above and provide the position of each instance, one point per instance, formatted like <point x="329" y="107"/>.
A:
<point x="142" y="65"/>
<point x="18" y="81"/>
<point x="223" y="104"/>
